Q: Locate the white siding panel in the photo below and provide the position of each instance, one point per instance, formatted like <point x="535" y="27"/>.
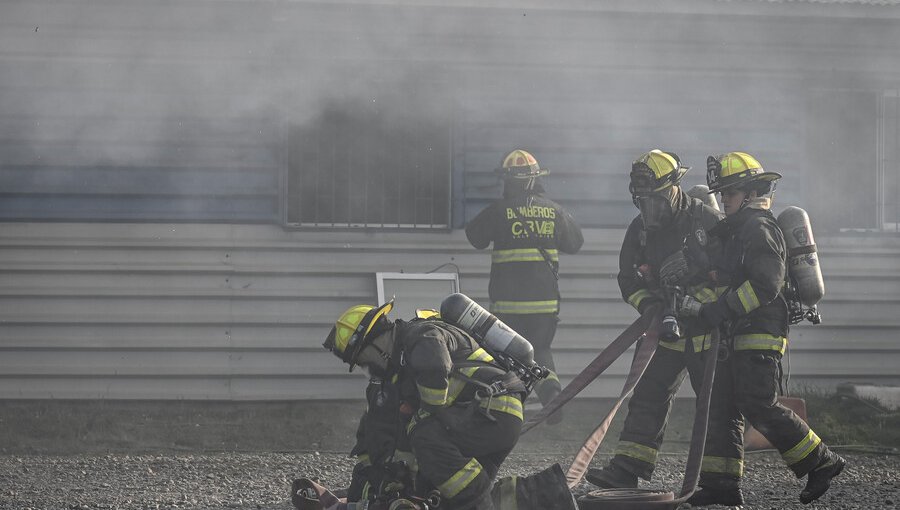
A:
<point x="152" y="311"/>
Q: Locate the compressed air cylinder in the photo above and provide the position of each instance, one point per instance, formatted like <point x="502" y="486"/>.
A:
<point x="496" y="336"/>
<point x="701" y="193"/>
<point x="802" y="259"/>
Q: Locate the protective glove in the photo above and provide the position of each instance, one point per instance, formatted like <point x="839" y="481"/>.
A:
<point x="674" y="270"/>
<point x="689" y="307"/>
<point x="715" y="313"/>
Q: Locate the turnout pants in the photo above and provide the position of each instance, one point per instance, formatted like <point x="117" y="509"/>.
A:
<point x="751" y="392"/>
<point x="539" y="329"/>
<point x="462" y="462"/>
<point x="649" y="407"/>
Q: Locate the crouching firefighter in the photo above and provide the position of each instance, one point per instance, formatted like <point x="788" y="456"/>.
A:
<point x="460" y="410"/>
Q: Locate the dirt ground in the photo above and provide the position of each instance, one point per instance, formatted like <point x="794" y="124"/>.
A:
<point x="127" y="455"/>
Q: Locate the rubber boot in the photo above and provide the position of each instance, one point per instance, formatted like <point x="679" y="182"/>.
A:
<point x="612" y="476"/>
<point x="705" y="496"/>
<point x="819" y="479"/>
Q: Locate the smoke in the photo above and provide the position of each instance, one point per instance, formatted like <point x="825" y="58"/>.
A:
<point x="167" y="94"/>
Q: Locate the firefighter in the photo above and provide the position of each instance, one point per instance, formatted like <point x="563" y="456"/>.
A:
<point x="463" y="411"/>
<point x="528" y="232"/>
<point x="752" y="316"/>
<point x="666" y="251"/>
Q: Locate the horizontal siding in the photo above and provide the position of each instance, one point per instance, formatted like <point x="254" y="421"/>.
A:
<point x="239" y="312"/>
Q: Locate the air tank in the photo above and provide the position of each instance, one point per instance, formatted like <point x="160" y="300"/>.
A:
<point x="802" y="259"/>
<point x="460" y="310"/>
<point x="701" y="193"/>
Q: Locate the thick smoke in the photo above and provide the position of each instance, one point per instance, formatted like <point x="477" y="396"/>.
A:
<point x="167" y="94"/>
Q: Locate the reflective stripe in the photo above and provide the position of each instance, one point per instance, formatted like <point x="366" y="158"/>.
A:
<point x="525" y="307"/>
<point x="802" y="449"/>
<point x="457" y="384"/>
<point x="637" y="451"/>
<point x="505" y="404"/>
<point x="460" y="480"/>
<point x="480" y="354"/>
<point x="677" y="345"/>
<point x="523" y="255"/>
<point x="507" y="493"/>
<point x="364" y="459"/>
<point x="726" y="465"/>
<point x="702" y="342"/>
<point x="704" y="294"/>
<point x="747" y="296"/>
<point x="636" y="298"/>
<point x="432" y="396"/>
<point x="760" y="342"/>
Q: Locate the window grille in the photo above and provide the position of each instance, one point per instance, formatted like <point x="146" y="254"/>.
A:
<point x="382" y="164"/>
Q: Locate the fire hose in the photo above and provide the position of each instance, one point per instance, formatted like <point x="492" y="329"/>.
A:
<point x="645" y="329"/>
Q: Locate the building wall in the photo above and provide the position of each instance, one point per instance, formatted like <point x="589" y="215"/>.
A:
<point x="145" y="157"/>
<point x="220" y="312"/>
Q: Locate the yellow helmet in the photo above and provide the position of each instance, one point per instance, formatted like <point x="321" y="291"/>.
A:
<point x="350" y="333"/>
<point x="655" y="171"/>
<point x="735" y="169"/>
<point x="520" y="164"/>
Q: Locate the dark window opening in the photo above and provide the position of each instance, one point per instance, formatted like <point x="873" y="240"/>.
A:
<point x="379" y="163"/>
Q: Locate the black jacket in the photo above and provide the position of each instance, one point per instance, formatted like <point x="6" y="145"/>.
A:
<point x="528" y="232"/>
<point x="688" y="232"/>
<point x="753" y="267"/>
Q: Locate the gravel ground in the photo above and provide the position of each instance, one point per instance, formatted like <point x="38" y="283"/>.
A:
<point x="262" y="481"/>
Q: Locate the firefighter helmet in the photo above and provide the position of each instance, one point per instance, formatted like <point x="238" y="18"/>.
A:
<point x="351" y="331"/>
<point x="655" y="171"/>
<point x="520" y="164"/>
<point x="735" y="169"/>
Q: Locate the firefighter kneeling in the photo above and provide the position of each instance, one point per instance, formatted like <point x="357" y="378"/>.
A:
<point x="436" y="393"/>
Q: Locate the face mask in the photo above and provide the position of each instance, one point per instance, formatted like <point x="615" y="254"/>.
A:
<point x="656" y="210"/>
<point x="375" y="357"/>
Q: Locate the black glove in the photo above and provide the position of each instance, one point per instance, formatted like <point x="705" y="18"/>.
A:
<point x="674" y="270"/>
<point x="715" y="313"/>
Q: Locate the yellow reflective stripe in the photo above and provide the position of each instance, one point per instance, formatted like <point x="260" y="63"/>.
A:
<point x="525" y="307"/>
<point x="726" y="465"/>
<point x="636" y="298"/>
<point x="551" y="377"/>
<point x="747" y="296"/>
<point x="637" y="451"/>
<point x="460" y="480"/>
<point x="704" y="295"/>
<point x="432" y="396"/>
<point x="457" y="384"/>
<point x="505" y="404"/>
<point x="677" y="345"/>
<point x="802" y="449"/>
<point x="760" y="342"/>
<point x="480" y="354"/>
<point x="506" y="493"/>
<point x="523" y="255"/>
<point x="364" y="459"/>
<point x="702" y="342"/>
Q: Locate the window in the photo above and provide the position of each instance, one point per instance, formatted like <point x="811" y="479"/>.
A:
<point x="382" y="162"/>
<point x="888" y="187"/>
